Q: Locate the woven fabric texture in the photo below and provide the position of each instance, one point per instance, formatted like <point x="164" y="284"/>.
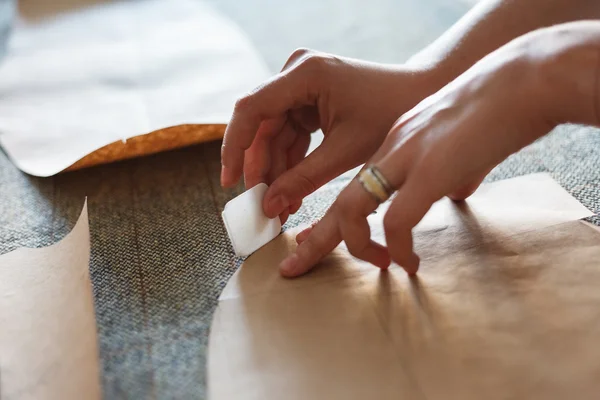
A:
<point x="160" y="254"/>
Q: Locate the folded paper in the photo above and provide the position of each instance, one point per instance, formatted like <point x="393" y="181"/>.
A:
<point x="113" y="80"/>
<point x="48" y="341"/>
<point x="501" y="310"/>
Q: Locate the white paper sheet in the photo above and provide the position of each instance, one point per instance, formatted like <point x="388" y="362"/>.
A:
<point x="79" y="80"/>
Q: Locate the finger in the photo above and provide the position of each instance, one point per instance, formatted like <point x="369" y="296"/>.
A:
<point x="257" y="159"/>
<point x="409" y="206"/>
<point x="464" y="192"/>
<point x="288" y="90"/>
<point x="297" y="56"/>
<point x="295" y="207"/>
<point x="301" y="237"/>
<point x="279" y="161"/>
<point x="298" y="149"/>
<point x="296" y="153"/>
<point x="399" y="220"/>
<point x="284" y="216"/>
<point x="319" y="167"/>
<point x="352" y="207"/>
<point x="280" y="147"/>
<point x="323" y="239"/>
<point x="306" y="119"/>
<point x="257" y="162"/>
<point x="356" y="233"/>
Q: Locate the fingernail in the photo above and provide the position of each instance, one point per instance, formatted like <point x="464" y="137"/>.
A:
<point x="276" y="205"/>
<point x="290" y="264"/>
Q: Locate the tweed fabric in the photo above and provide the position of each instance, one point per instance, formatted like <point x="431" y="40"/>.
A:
<point x="7" y="11"/>
<point x="160" y="254"/>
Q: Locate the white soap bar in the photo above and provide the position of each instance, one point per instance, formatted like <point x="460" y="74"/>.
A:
<point x="247" y="226"/>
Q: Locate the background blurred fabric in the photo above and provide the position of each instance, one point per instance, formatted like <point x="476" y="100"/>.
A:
<point x="7" y="8"/>
<point x="160" y="254"/>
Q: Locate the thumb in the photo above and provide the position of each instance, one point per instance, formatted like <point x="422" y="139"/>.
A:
<point x="318" y="168"/>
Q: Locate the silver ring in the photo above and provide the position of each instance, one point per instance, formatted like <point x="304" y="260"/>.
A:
<point x="373" y="181"/>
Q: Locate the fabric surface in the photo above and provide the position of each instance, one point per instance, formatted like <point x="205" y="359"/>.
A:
<point x="7" y="9"/>
<point x="160" y="254"/>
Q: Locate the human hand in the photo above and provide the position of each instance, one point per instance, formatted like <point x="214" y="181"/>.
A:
<point x="354" y="103"/>
<point x="446" y="145"/>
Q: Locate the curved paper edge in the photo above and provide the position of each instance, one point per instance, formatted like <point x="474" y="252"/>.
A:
<point x="257" y="281"/>
<point x="165" y="133"/>
<point x="48" y="340"/>
<point x="158" y="141"/>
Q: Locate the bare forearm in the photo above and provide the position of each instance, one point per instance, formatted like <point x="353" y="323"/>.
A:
<point x="569" y="77"/>
<point x="490" y="25"/>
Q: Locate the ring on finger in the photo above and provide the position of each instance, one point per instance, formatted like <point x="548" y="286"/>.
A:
<point x="373" y="181"/>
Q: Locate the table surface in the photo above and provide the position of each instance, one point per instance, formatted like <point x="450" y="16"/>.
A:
<point x="160" y="254"/>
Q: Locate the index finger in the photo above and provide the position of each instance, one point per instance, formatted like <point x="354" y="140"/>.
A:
<point x="273" y="99"/>
<point x="323" y="238"/>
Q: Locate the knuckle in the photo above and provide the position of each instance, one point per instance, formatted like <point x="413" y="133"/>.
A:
<point x="305" y="184"/>
<point x="312" y="62"/>
<point x="244" y="102"/>
<point x="356" y="248"/>
<point x="299" y="53"/>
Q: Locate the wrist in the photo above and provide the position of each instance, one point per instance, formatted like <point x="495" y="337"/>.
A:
<point x="434" y="75"/>
<point x="569" y="58"/>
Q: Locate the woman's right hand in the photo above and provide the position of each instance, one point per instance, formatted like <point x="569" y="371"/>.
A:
<point x="353" y="102"/>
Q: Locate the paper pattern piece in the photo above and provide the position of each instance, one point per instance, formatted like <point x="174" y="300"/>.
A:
<point x="84" y="81"/>
<point x="48" y="340"/>
<point x="502" y="310"/>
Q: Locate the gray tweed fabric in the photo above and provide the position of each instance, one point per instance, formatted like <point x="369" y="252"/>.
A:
<point x="160" y="254"/>
<point x="7" y="10"/>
